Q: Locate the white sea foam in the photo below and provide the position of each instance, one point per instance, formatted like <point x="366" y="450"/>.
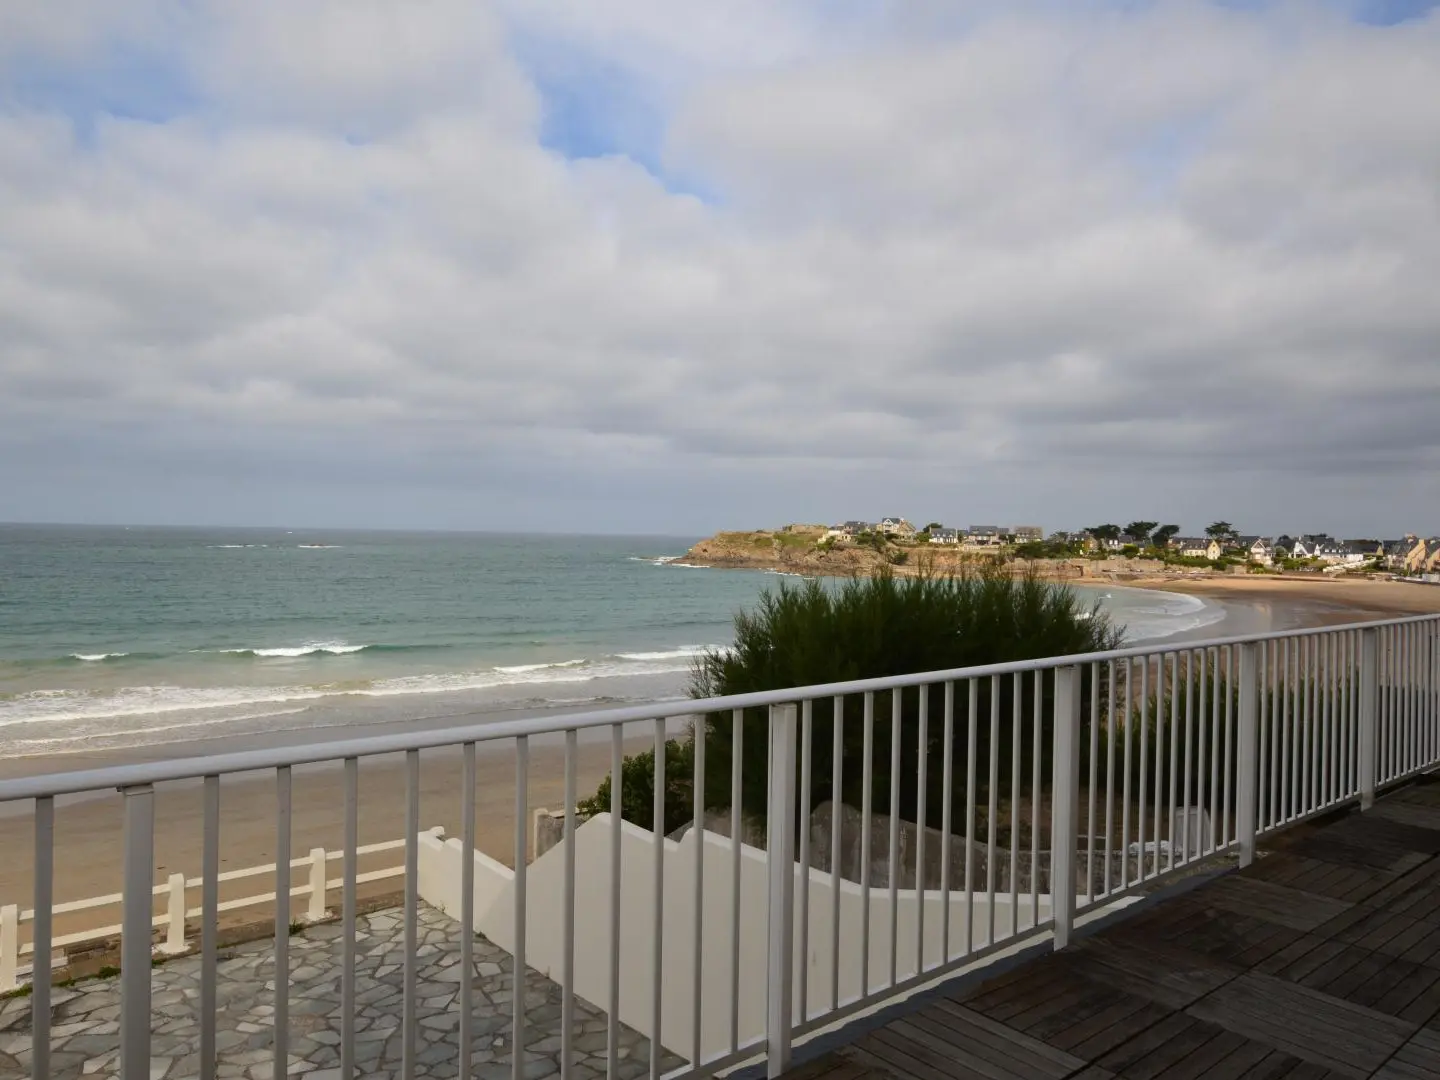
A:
<point x="319" y="547"/>
<point x="94" y="657"/>
<point x="523" y="669"/>
<point x="677" y="653"/>
<point x="333" y="648"/>
<point x="234" y="547"/>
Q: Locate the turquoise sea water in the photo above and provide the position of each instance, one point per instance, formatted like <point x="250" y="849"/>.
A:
<point x="118" y="637"/>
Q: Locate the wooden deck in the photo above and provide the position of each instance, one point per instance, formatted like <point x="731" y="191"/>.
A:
<point x="1320" y="960"/>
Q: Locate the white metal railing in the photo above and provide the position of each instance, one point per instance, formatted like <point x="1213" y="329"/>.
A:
<point x="317" y="887"/>
<point x="1067" y="783"/>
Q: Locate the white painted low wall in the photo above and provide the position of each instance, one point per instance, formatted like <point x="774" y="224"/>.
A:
<point x="439" y="885"/>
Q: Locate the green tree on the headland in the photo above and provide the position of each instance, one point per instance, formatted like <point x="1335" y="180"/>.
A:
<point x="1139" y="531"/>
<point x="1220" y="530"/>
<point x="932" y="527"/>
<point x="1105" y="532"/>
<point x="1161" y="538"/>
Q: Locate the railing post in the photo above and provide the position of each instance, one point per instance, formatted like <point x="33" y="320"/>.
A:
<point x="175" y="916"/>
<point x="1247" y="740"/>
<point x="9" y="947"/>
<point x="136" y="930"/>
<point x="316" y="909"/>
<point x="1064" y="802"/>
<point x="1369" y="714"/>
<point x="780" y="859"/>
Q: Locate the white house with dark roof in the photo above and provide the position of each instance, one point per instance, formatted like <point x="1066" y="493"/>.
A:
<point x="895" y="526"/>
<point x="944" y="536"/>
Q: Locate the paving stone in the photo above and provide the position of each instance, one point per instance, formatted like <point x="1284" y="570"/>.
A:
<point x="85" y="1031"/>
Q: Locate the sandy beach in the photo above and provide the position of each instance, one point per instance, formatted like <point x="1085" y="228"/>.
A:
<point x="1289" y="602"/>
<point x="88" y="840"/>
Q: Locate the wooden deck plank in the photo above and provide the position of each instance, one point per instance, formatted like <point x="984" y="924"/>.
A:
<point x="984" y="1028"/>
<point x="1157" y="971"/>
<point x="1418" y="1059"/>
<point x="1305" y="1023"/>
<point x="1273" y="903"/>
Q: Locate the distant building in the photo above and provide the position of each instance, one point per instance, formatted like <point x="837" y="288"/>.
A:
<point x="1024" y="534"/>
<point x="1197" y="547"/>
<point x="895" y="526"/>
<point x="982" y="535"/>
<point x="855" y="528"/>
<point x="1406" y="556"/>
<point x="944" y="536"/>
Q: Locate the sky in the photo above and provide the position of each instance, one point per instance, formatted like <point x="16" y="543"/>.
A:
<point x="673" y="266"/>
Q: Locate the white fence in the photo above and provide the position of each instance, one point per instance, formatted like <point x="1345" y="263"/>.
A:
<point x="317" y="887"/>
<point x="1063" y="780"/>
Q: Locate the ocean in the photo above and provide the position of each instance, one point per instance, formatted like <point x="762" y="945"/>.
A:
<point x="124" y="637"/>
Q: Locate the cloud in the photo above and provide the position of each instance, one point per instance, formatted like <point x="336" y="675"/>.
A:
<point x="998" y="260"/>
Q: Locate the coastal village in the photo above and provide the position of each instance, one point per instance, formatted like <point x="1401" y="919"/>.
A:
<point x="1101" y="550"/>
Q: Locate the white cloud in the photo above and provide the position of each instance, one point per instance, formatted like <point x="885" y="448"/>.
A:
<point x="1169" y="247"/>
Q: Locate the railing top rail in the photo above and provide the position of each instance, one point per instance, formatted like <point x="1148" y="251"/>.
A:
<point x="139" y="774"/>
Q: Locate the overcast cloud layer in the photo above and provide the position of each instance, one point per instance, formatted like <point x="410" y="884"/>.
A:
<point x="674" y="265"/>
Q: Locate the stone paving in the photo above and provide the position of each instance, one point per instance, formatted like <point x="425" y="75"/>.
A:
<point x="85" y="1039"/>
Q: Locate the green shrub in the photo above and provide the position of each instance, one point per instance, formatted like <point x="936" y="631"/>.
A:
<point x="817" y="632"/>
<point x="637" y="788"/>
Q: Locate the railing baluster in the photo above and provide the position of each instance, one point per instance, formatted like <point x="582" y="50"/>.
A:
<point x="698" y="955"/>
<point x="135" y="938"/>
<point x="1174" y="712"/>
<point x="209" y="925"/>
<point x="737" y="745"/>
<point x="993" y="808"/>
<point x="866" y="804"/>
<point x="522" y="866"/>
<point x="40" y="970"/>
<point x="1229" y="763"/>
<point x="1017" y="794"/>
<point x="920" y="832"/>
<point x="1208" y="737"/>
<point x="412" y="914"/>
<point x="567" y="929"/>
<point x="837" y="756"/>
<point x="467" y="907"/>
<point x="1289" y="755"/>
<point x="1091" y="823"/>
<point x="896" y="700"/>
<point x="780" y="860"/>
<point x="1037" y="709"/>
<point x="1307" y="720"/>
<point x="1125" y="780"/>
<point x="972" y="691"/>
<point x="347" y="916"/>
<point x="947" y="814"/>
<point x="281" y="1056"/>
<point x="1245" y="761"/>
<point x="1262" y="747"/>
<point x="1368" y="716"/>
<point x="617" y="766"/>
<point x="1160" y="718"/>
<point x="802" y="902"/>
<point x="1144" y="760"/>
<point x="1190" y="689"/>
<point x="1110" y="695"/>
<point x="657" y="945"/>
<point x="1064" y="802"/>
